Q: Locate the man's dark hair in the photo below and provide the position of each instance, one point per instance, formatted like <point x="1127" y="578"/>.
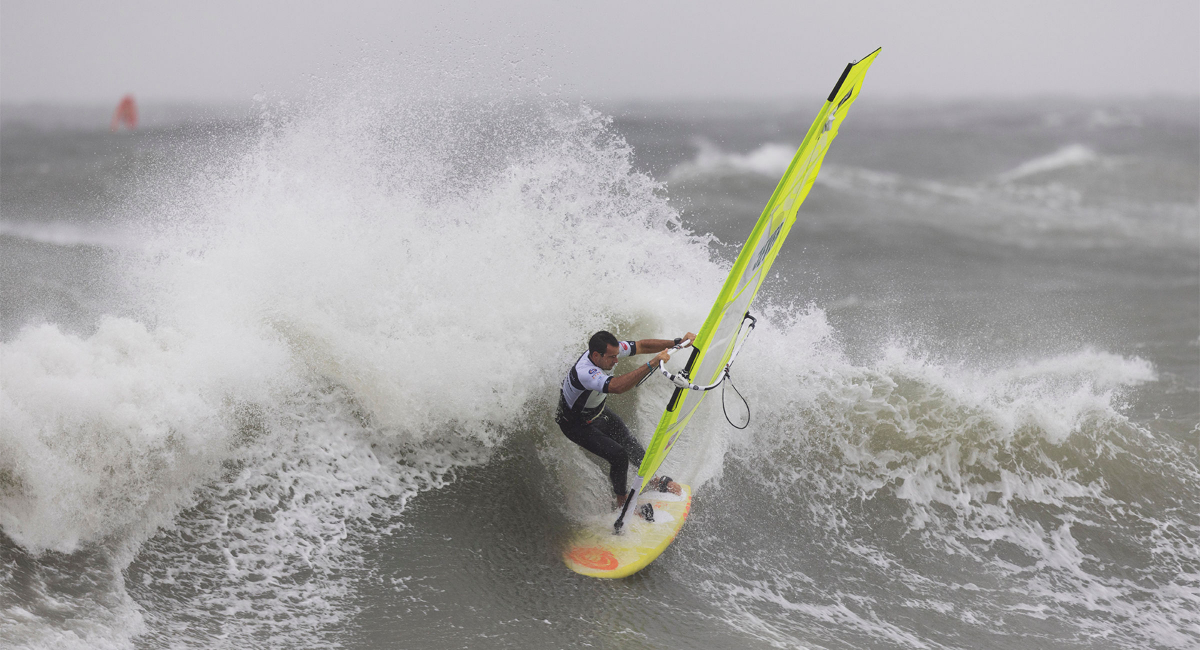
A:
<point x="600" y="342"/>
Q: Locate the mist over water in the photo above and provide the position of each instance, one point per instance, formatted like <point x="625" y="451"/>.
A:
<point x="289" y="379"/>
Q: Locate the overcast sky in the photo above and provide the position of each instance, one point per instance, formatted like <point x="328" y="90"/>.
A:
<point x="230" y="50"/>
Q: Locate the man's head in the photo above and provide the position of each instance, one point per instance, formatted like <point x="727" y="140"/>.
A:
<point x="602" y="349"/>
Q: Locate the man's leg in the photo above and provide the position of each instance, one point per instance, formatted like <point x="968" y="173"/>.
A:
<point x="590" y="438"/>
<point x="611" y="424"/>
<point x="614" y="427"/>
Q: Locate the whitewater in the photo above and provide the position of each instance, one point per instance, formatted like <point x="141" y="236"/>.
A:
<point x="287" y="378"/>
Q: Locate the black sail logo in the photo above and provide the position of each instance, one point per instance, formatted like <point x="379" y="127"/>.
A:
<point x="845" y="99"/>
<point x="762" y="252"/>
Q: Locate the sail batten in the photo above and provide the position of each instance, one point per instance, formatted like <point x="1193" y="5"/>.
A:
<point x="715" y="342"/>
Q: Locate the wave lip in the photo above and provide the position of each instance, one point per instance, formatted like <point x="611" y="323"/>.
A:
<point x="770" y="159"/>
<point x="1014" y="470"/>
<point x="62" y="233"/>
<point x="1072" y="155"/>
<point x="1029" y="214"/>
<point x="302" y="306"/>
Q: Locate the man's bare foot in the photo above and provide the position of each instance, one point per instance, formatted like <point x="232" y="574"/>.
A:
<point x="619" y="500"/>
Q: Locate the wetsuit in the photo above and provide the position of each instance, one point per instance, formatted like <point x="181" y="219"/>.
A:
<point x="583" y="419"/>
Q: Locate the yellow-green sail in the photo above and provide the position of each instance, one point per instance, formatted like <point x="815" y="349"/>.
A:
<point x="715" y="342"/>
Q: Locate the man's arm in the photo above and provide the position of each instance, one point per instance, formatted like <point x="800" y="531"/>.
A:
<point x="618" y="385"/>
<point x="630" y="379"/>
<point x="651" y="346"/>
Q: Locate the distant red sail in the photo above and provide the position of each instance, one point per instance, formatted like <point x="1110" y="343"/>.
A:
<point x="126" y="114"/>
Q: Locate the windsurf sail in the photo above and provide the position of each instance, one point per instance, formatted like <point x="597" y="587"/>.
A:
<point x="729" y="322"/>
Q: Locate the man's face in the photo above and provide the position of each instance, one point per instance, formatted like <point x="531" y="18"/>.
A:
<point x="607" y="360"/>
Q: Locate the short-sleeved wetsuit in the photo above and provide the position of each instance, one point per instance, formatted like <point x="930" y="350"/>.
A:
<point x="583" y="419"/>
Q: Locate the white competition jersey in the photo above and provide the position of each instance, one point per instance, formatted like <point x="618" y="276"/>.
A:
<point x="586" y="385"/>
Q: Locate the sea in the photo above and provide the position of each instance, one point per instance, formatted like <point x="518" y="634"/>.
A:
<point x="282" y="374"/>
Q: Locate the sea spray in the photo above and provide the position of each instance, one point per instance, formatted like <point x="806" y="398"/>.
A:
<point x="934" y="477"/>
<point x="349" y="284"/>
<point x="972" y="401"/>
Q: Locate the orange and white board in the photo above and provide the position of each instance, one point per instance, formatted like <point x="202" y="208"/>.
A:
<point x="595" y="551"/>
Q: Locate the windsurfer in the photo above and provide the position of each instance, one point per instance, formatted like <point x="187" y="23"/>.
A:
<point x="581" y="414"/>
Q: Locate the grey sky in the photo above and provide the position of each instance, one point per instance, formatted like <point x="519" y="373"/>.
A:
<point x="221" y="50"/>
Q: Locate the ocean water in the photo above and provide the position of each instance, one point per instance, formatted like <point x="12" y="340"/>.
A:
<point x="283" y="375"/>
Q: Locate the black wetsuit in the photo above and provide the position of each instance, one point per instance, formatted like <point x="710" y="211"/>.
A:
<point x="583" y="419"/>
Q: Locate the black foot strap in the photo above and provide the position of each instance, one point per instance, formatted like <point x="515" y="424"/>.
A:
<point x="647" y="511"/>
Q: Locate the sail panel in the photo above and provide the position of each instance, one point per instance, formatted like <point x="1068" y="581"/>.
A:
<point x="715" y="342"/>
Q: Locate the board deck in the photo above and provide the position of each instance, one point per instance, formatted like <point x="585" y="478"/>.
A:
<point x="595" y="551"/>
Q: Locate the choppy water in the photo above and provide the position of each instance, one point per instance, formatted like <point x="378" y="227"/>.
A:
<point x="286" y="378"/>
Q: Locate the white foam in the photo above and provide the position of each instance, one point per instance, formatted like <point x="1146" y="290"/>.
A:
<point x="770" y="159"/>
<point x="840" y="613"/>
<point x="1033" y="214"/>
<point x="1072" y="155"/>
<point x="107" y="435"/>
<point x="1110" y="119"/>
<point x="355" y="278"/>
<point x="60" y="233"/>
<point x="662" y="517"/>
<point x="381" y="277"/>
<point x="983" y="463"/>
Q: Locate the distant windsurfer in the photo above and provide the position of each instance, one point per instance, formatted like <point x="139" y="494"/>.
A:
<point x="581" y="414"/>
